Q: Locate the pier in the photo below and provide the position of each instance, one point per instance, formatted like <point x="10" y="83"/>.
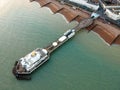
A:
<point x="26" y="65"/>
<point x="108" y="31"/>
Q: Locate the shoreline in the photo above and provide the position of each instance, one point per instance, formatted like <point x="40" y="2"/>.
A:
<point x="109" y="32"/>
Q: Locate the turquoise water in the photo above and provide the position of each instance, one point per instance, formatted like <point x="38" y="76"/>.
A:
<point x="83" y="63"/>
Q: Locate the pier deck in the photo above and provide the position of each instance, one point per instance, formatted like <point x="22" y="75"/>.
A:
<point x="83" y="24"/>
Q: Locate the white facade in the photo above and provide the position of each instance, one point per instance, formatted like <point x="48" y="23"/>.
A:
<point x="84" y="2"/>
<point x="112" y="15"/>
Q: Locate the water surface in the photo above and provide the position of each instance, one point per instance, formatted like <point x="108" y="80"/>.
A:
<point x="83" y="63"/>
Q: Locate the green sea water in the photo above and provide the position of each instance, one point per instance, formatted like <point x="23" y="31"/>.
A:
<point x="83" y="63"/>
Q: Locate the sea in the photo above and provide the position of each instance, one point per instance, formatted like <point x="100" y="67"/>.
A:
<point x="85" y="62"/>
